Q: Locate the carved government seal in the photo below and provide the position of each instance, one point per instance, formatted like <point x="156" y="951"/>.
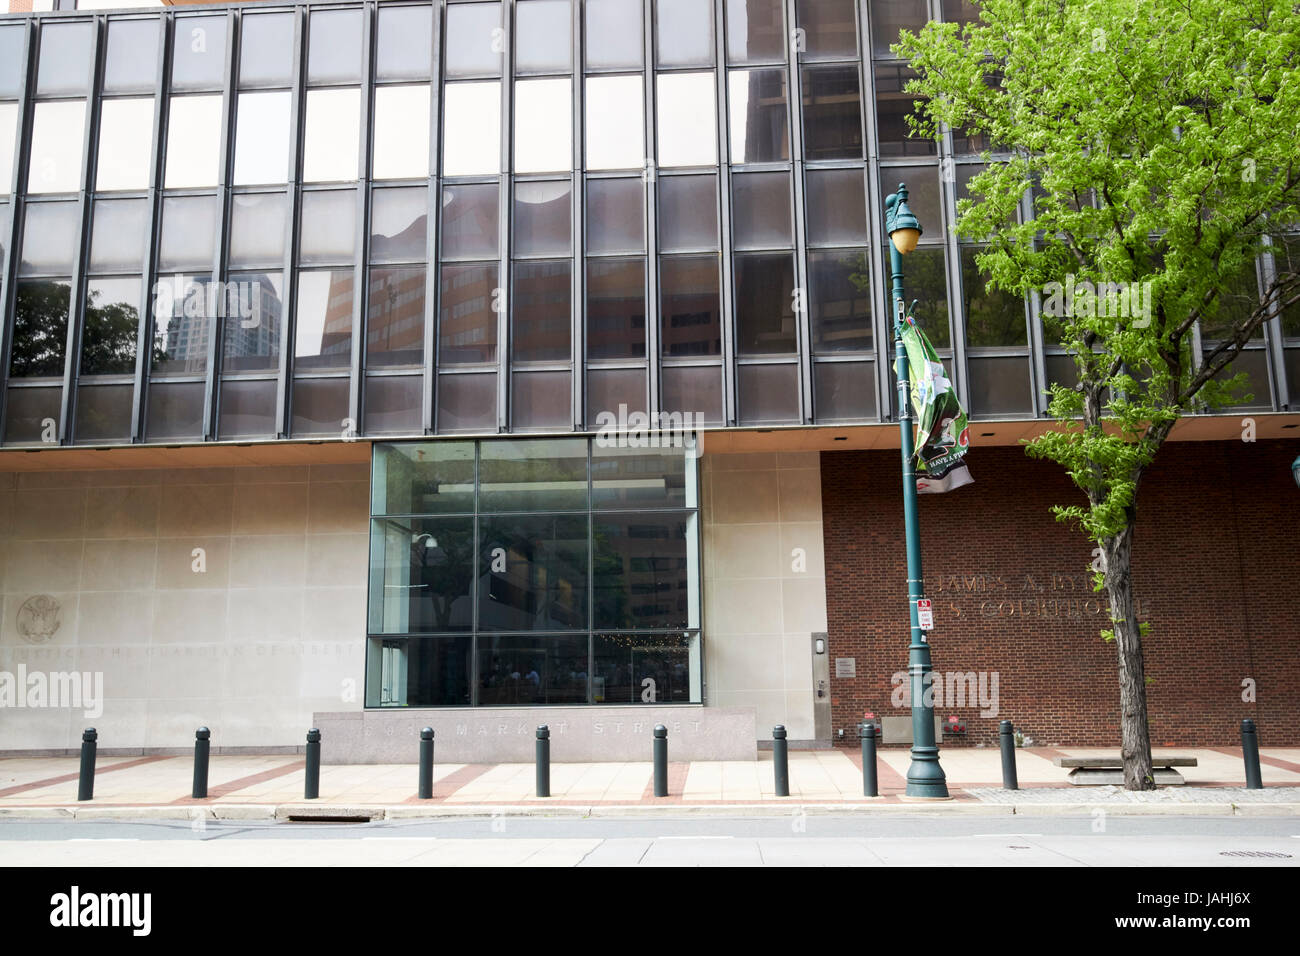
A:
<point x="38" y="618"/>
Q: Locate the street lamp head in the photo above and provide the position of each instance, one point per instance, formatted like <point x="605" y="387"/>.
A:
<point x="903" y="227"/>
<point x="1295" y="470"/>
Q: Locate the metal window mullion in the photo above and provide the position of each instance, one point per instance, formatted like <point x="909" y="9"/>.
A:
<point x="577" y="218"/>
<point x="432" y="285"/>
<point x="504" y="192"/>
<point x="223" y="201"/>
<point x="1273" y="337"/>
<point x="726" y="262"/>
<point x="359" y="284"/>
<point x="794" y="112"/>
<point x="293" y="203"/>
<point x="650" y="193"/>
<point x="17" y="205"/>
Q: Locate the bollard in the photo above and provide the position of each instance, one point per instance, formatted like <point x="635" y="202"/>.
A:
<point x="543" y="761"/>
<point x="426" y="763"/>
<point x="1007" y="734"/>
<point x="1250" y="754"/>
<point x="86" y="780"/>
<point x="202" y="737"/>
<point x="781" y="760"/>
<point x="870" y="786"/>
<point x="661" y="760"/>
<point x="311" y="787"/>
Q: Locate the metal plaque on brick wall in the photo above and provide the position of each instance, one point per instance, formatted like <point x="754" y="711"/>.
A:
<point x="846" y="667"/>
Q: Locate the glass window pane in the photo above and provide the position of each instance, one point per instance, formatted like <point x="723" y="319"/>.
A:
<point x="246" y="409"/>
<point x="543" y="126"/>
<point x="765" y="322"/>
<point x="892" y="106"/>
<point x="993" y="316"/>
<point x="467" y="325"/>
<point x="688" y="213"/>
<point x="1286" y="258"/>
<point x="642" y="571"/>
<point x="49" y="237"/>
<point x="533" y="574"/>
<point x="532" y="670"/>
<point x="844" y="391"/>
<point x="759" y="128"/>
<point x="329" y="226"/>
<point x="420" y="672"/>
<point x="542" y="218"/>
<point x="262" y="138"/>
<point x="13" y="39"/>
<point x="125" y="144"/>
<point x="254" y="315"/>
<point x="257" y="230"/>
<point x="131" y="60"/>
<point x="189" y="232"/>
<point x="542" y="319"/>
<point x="175" y="410"/>
<point x="533" y="474"/>
<point x="830" y="28"/>
<point x="755" y="31"/>
<point x="193" y="142"/>
<point x="471" y="129"/>
<point x="29" y="411"/>
<point x="392" y="404"/>
<point x="690" y="305"/>
<point x="694" y="389"/>
<point x="334" y="46"/>
<point x="923" y="196"/>
<point x="840" y="293"/>
<point x="423" y="478"/>
<point x="395" y="324"/>
<point x="633" y="479"/>
<point x="615" y="215"/>
<point x="1000" y="386"/>
<point x="181" y="313"/>
<point x="684" y="32"/>
<point x="626" y="664"/>
<point x="768" y="394"/>
<point x="615" y="308"/>
<point x="199" y="53"/>
<point x="401" y="144"/>
<point x="331" y="136"/>
<point x="398" y="224"/>
<point x="8" y="144"/>
<point x="890" y="16"/>
<point x="403" y="48"/>
<point x="542" y="400"/>
<point x="836" y="204"/>
<point x="761" y="210"/>
<point x="687" y="120"/>
<point x="927" y="283"/>
<point x="65" y="58"/>
<point x="323" y="333"/>
<point x="611" y="391"/>
<point x="57" y="132"/>
<point x="40" y="335"/>
<point x="832" y="119"/>
<point x="117" y="235"/>
<point x="320" y="406"/>
<point x="470" y="224"/>
<point x="543" y="36"/>
<point x="473" y="41"/>
<point x="615" y="127"/>
<point x="613" y="33"/>
<point x="103" y="413"/>
<point x="1239" y="297"/>
<point x="421" y="574"/>
<point x="467" y="402"/>
<point x="266" y="49"/>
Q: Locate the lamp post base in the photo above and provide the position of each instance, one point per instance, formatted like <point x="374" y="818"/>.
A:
<point x="925" y="778"/>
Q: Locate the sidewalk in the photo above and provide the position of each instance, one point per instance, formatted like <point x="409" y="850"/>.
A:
<point x="271" y="787"/>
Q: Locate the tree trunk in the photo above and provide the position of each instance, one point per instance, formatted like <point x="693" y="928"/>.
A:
<point x="1135" y="735"/>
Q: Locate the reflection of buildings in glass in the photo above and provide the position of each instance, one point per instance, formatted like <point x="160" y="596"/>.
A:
<point x="395" y="323"/>
<point x="766" y="134"/>
<point x="253" y="319"/>
<point x="467" y="333"/>
<point x="542" y="310"/>
<point x="691" y="320"/>
<point x="645" y="564"/>
<point x="336" y="331"/>
<point x="616" y="308"/>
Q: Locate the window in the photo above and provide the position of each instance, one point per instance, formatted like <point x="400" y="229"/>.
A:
<point x="759" y="126"/>
<point x="401" y="145"/>
<point x="331" y="135"/>
<point x="615" y="122"/>
<point x="471" y="130"/>
<point x="56" y="146"/>
<point x="262" y="138"/>
<point x="193" y="142"/>
<point x="687" y="120"/>
<point x="543" y="126"/>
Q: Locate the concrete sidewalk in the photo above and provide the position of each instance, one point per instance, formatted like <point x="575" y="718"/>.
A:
<point x="271" y="787"/>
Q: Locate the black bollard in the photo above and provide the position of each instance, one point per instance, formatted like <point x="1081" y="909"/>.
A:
<point x="202" y="738"/>
<point x="311" y="787"/>
<point x="1250" y="754"/>
<point x="426" y="763"/>
<point x="661" y="760"/>
<point x="781" y="760"/>
<point x="86" y="781"/>
<point x="543" y="761"/>
<point x="1007" y="734"/>
<point x="870" y="786"/>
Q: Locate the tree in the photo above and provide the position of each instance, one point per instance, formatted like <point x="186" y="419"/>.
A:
<point x="1159" y="139"/>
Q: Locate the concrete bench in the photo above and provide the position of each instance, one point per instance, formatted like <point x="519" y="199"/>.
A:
<point x="1101" y="771"/>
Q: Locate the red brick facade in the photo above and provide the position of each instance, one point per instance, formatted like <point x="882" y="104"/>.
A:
<point x="1216" y="569"/>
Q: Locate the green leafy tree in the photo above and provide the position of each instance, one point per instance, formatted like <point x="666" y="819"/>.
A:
<point x="1160" y="140"/>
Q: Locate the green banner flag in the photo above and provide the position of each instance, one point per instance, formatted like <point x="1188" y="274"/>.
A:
<point x="942" y="436"/>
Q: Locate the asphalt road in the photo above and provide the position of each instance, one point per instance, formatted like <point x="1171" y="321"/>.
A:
<point x="817" y="840"/>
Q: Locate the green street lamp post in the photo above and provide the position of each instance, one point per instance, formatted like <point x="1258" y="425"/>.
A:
<point x="925" y="777"/>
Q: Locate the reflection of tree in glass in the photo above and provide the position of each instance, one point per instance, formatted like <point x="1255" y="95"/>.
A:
<point x="108" y="342"/>
<point x="446" y="567"/>
<point x="923" y="280"/>
<point x="40" y="329"/>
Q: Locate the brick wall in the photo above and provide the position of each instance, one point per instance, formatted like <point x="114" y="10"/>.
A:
<point x="1216" y="569"/>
